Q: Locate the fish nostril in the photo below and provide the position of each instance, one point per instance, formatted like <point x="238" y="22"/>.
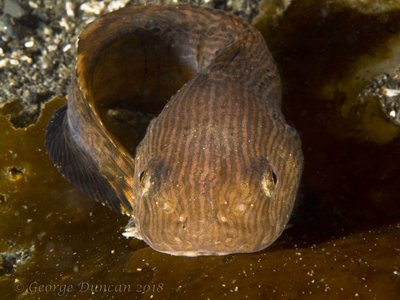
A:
<point x="166" y="206"/>
<point x="182" y="219"/>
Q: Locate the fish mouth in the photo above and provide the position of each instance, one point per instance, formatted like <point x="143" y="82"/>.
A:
<point x="208" y="242"/>
<point x="196" y="253"/>
<point x="208" y="248"/>
<point x="181" y="247"/>
<point x="208" y="251"/>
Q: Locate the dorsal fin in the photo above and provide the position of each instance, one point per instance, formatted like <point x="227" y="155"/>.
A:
<point x="76" y="166"/>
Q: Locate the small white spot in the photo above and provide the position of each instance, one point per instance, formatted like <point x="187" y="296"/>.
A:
<point x="26" y="58"/>
<point x="52" y="48"/>
<point x="92" y="8"/>
<point x="221" y="217"/>
<point x="3" y="63"/>
<point x="114" y="5"/>
<point x="69" y="9"/>
<point x="67" y="48"/>
<point x="33" y="4"/>
<point x="29" y="44"/>
<point x="166" y="206"/>
<point x="391" y="92"/>
<point x="13" y="62"/>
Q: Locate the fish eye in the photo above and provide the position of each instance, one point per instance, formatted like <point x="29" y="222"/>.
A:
<point x="274" y="177"/>
<point x="141" y="176"/>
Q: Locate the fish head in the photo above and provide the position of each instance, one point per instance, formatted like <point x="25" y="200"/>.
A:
<point x="214" y="205"/>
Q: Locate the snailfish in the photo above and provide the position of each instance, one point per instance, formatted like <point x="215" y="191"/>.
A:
<point x="218" y="169"/>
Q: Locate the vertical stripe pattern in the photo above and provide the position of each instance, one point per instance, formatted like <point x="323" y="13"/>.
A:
<point x="218" y="169"/>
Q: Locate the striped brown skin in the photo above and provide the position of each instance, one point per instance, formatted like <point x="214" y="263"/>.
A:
<point x="218" y="169"/>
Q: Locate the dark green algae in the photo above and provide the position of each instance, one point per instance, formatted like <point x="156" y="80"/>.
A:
<point x="344" y="239"/>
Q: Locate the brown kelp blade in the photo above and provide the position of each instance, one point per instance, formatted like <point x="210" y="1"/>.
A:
<point x="74" y="164"/>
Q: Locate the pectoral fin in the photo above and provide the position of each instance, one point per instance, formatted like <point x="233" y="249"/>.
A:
<point x="75" y="165"/>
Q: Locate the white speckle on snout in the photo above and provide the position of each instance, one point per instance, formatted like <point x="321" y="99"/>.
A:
<point x="221" y="217"/>
<point x="182" y="218"/>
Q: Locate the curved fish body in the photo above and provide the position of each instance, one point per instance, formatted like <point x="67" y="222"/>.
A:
<point x="218" y="169"/>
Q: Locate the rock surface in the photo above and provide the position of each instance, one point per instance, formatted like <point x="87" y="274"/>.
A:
<point x="38" y="44"/>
